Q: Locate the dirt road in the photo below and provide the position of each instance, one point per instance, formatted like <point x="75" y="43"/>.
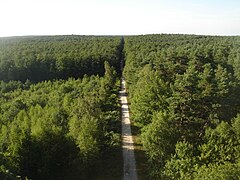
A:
<point x="127" y="140"/>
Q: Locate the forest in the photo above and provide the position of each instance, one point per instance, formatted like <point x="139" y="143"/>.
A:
<point x="60" y="112"/>
<point x="59" y="107"/>
<point x="184" y="93"/>
<point x="41" y="58"/>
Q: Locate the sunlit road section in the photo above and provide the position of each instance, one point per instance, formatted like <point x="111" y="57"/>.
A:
<point x="127" y="140"/>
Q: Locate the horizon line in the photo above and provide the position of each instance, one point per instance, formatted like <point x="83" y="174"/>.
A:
<point x="47" y="35"/>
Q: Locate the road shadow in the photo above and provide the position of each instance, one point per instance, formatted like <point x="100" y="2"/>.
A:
<point x="140" y="156"/>
<point x="140" y="160"/>
<point x="124" y="110"/>
<point x="124" y="104"/>
<point x="122" y="93"/>
<point x="109" y="167"/>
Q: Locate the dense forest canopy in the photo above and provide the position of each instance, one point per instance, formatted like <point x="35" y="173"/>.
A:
<point x="49" y="57"/>
<point x="59" y="107"/>
<point x="184" y="92"/>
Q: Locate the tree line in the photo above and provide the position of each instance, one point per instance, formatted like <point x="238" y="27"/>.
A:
<point x="184" y="93"/>
<point x="56" y="57"/>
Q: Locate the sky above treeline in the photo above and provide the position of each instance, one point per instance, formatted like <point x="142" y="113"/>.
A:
<point x="119" y="17"/>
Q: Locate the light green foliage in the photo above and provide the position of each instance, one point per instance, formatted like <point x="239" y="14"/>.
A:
<point x="149" y="96"/>
<point x="157" y="139"/>
<point x="85" y="131"/>
<point x="221" y="145"/>
<point x="236" y="126"/>
<point x="227" y="171"/>
<point x="181" y="165"/>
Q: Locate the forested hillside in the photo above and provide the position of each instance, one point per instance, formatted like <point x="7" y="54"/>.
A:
<point x="184" y="93"/>
<point x="59" y="107"/>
